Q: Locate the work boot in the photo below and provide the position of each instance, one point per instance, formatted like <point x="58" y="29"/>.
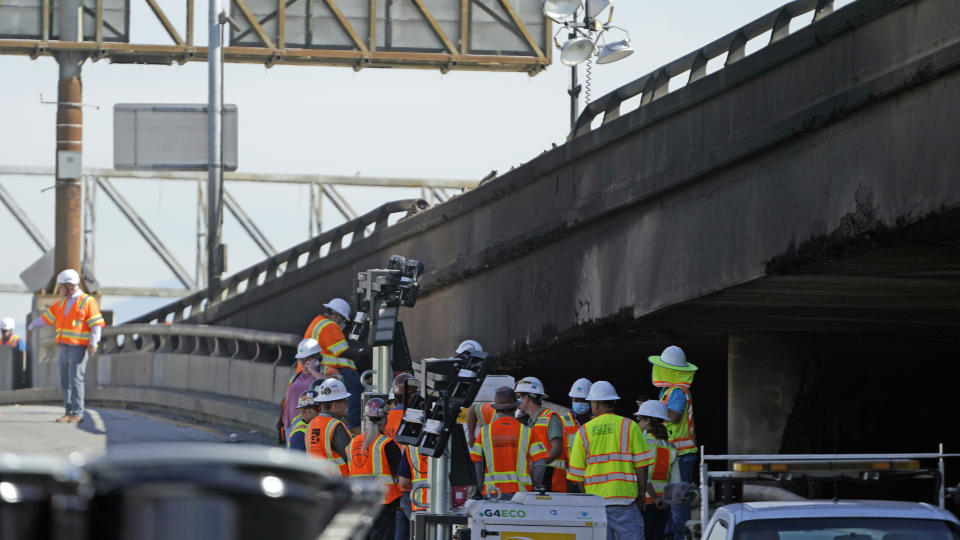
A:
<point x="63" y="419"/>
<point x="75" y="419"/>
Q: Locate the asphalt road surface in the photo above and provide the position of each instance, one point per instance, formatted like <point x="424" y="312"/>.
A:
<point x="30" y="429"/>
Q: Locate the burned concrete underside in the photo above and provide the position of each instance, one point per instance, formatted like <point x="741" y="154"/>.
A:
<point x="791" y="221"/>
<point x="874" y="316"/>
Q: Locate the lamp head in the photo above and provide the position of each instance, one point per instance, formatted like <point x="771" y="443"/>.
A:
<point x="613" y="51"/>
<point x="575" y="51"/>
<point x="560" y="9"/>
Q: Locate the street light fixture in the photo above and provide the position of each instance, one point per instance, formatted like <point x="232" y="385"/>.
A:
<point x="579" y="18"/>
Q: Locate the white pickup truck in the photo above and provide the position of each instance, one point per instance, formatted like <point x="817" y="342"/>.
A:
<point x="829" y="520"/>
<point x="737" y="517"/>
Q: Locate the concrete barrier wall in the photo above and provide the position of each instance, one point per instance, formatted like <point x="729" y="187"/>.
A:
<point x="209" y="388"/>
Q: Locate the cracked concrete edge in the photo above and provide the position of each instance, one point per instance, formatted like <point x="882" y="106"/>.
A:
<point x="197" y="408"/>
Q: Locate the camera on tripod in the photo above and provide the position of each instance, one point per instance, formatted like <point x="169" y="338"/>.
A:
<point x="380" y="294"/>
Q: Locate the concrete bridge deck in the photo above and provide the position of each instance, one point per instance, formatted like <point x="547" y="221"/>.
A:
<point x="792" y="219"/>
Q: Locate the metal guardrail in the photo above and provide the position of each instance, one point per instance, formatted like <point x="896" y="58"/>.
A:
<point x="656" y="84"/>
<point x="234" y="343"/>
<point x="286" y="261"/>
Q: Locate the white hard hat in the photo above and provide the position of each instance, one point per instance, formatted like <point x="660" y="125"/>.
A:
<point x="580" y="388"/>
<point x="531" y="385"/>
<point x="653" y="409"/>
<point x="469" y="344"/>
<point x="7" y="324"/>
<point x="68" y="276"/>
<point x="339" y="305"/>
<point x="332" y="390"/>
<point x="673" y="358"/>
<point x="602" y="391"/>
<point x="307" y="347"/>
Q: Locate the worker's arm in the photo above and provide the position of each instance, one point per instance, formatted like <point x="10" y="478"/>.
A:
<point x="555" y="434"/>
<point x="641" y="484"/>
<point x="539" y="471"/>
<point x="674" y="415"/>
<point x="471" y="424"/>
<point x="576" y="465"/>
<point x="37" y="323"/>
<point x="340" y="442"/>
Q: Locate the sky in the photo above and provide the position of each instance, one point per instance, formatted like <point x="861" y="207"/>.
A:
<point x="308" y="119"/>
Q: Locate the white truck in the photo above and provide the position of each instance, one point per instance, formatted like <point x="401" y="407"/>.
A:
<point x="837" y="519"/>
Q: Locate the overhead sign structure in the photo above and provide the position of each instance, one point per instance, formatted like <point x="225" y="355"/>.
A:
<point x="488" y="35"/>
<point x="169" y="137"/>
<point x="40" y="20"/>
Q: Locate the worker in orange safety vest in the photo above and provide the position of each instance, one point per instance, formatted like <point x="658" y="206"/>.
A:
<point x="8" y="338"/>
<point x="508" y="456"/>
<point x="78" y="324"/>
<point x="547" y="426"/>
<point x="327" y="436"/>
<point x="337" y="355"/>
<point x="374" y="455"/>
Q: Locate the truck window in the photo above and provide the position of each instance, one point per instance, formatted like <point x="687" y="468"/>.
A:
<point x="718" y="532"/>
<point x="845" y="528"/>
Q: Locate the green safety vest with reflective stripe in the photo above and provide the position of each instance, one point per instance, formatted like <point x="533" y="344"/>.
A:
<point x="682" y="433"/>
<point x="605" y="456"/>
<point x="297" y="425"/>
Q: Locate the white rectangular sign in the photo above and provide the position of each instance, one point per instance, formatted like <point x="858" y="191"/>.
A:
<point x="168" y="137"/>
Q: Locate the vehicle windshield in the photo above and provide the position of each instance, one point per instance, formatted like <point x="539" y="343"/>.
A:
<point x="845" y="529"/>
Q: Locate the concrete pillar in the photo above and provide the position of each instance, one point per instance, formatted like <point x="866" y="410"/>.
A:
<point x="764" y="373"/>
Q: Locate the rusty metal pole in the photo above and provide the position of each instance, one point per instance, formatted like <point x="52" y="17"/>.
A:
<point x="69" y="191"/>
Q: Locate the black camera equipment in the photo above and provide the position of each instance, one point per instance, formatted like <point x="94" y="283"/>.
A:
<point x="380" y="294"/>
<point x="433" y="399"/>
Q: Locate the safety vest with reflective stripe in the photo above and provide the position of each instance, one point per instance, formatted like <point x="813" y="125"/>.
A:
<point x="332" y="342"/>
<point x="484" y="412"/>
<point x="570" y="428"/>
<point x="664" y="454"/>
<point x="372" y="463"/>
<point x="541" y="427"/>
<point x="73" y="328"/>
<point x="507" y="448"/>
<point x="297" y="425"/>
<point x="13" y="341"/>
<point x="419" y="465"/>
<point x="682" y="433"/>
<point x="394" y="419"/>
<point x="320" y="442"/>
<point x="605" y="456"/>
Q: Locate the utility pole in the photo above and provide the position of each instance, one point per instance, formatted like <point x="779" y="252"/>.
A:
<point x="69" y="191"/>
<point x="215" y="255"/>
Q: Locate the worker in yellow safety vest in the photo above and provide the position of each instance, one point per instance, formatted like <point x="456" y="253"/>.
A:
<point x="664" y="472"/>
<point x="609" y="458"/>
<point x="78" y="324"/>
<point x="674" y="376"/>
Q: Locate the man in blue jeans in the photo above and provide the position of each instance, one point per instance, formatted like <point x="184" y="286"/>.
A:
<point x="674" y="376"/>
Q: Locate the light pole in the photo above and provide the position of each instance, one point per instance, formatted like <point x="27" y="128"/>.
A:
<point x="215" y="255"/>
<point x="580" y="19"/>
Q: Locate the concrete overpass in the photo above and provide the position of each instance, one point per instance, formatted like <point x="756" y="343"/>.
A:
<point x="791" y="219"/>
